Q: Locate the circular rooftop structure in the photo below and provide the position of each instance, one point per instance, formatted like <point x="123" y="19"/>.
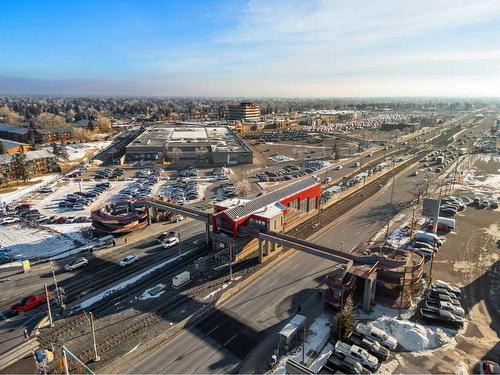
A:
<point x="119" y="218"/>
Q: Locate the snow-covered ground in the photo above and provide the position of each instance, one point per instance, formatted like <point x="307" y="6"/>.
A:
<point x="486" y="185"/>
<point x="6" y="198"/>
<point x="157" y="290"/>
<point x="24" y="242"/>
<point x="78" y="151"/>
<point x="74" y="231"/>
<point x="280" y="158"/>
<point x="221" y="288"/>
<point x="317" y="336"/>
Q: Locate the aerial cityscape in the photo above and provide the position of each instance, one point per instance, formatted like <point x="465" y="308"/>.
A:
<point x="242" y="186"/>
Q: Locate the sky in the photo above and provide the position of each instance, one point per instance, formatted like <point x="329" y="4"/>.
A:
<point x="251" y="48"/>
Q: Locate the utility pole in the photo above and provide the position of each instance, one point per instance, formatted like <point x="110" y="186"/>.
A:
<point x="341" y="312"/>
<point x="304" y="345"/>
<point x="412" y="221"/>
<point x="231" y="262"/>
<point x="179" y="237"/>
<point x="48" y="305"/>
<point x="92" y="328"/>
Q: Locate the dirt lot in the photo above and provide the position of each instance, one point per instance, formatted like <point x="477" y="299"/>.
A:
<point x="470" y="258"/>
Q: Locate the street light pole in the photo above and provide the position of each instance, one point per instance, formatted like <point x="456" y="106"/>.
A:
<point x="231" y="262"/>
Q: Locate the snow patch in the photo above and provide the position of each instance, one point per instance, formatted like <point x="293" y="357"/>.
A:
<point x="147" y="293"/>
<point x="316" y="337"/>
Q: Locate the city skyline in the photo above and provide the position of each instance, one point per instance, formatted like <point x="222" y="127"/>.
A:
<point x="251" y="49"/>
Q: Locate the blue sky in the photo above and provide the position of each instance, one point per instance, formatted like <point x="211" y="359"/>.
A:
<point x="313" y="48"/>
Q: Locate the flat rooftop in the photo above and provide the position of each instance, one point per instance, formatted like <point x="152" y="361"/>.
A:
<point x="217" y="138"/>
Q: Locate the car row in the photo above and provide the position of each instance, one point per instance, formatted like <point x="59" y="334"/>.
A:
<point x="139" y="189"/>
<point x="442" y="306"/>
<point x="182" y="191"/>
<point x="78" y="200"/>
<point x="361" y="352"/>
<point x="109" y="173"/>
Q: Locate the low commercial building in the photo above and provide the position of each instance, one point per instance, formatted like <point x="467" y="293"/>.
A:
<point x="39" y="162"/>
<point x="244" y="111"/>
<point x="189" y="145"/>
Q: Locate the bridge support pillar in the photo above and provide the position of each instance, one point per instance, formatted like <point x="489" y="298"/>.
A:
<point x="208" y="241"/>
<point x="266" y="248"/>
<point x="260" y="250"/>
<point x="150" y="213"/>
<point x="367" y="294"/>
<point x="155" y="214"/>
<point x="374" y="290"/>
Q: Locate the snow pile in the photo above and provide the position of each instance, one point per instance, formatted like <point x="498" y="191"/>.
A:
<point x="413" y="336"/>
<point x="280" y="158"/>
<point x="24" y="242"/>
<point x="125" y="284"/>
<point x="317" y="336"/>
<point x="221" y="288"/>
<point x="153" y="292"/>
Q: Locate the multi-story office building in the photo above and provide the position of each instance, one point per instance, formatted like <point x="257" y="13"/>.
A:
<point x="245" y="111"/>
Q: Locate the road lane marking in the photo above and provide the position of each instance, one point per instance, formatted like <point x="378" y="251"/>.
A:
<point x="244" y="305"/>
<point x="213" y="329"/>
<point x="294" y="267"/>
<point x="274" y="283"/>
<point x="231" y="339"/>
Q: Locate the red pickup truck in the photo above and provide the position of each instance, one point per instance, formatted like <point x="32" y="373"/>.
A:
<point x="29" y="303"/>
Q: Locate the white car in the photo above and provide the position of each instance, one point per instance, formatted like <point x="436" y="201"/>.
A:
<point x="358" y="354"/>
<point x="177" y="218"/>
<point x="9" y="220"/>
<point x="77" y="263"/>
<point x="338" y="167"/>
<point x="129" y="259"/>
<point x="78" y="207"/>
<point x="444" y="285"/>
<point x="170" y="242"/>
<point x="377" y="334"/>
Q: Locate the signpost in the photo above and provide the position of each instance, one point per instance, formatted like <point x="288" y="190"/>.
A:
<point x="430" y="208"/>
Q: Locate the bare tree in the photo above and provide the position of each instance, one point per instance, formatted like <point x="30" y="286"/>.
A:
<point x="420" y="189"/>
<point x="103" y="124"/>
<point x="9" y="116"/>
<point x="243" y="187"/>
<point x="49" y="120"/>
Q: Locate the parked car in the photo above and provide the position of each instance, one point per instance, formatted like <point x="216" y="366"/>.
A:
<point x="442" y="305"/>
<point x="441" y="316"/>
<point x="358" y="354"/>
<point x="77" y="263"/>
<point x="29" y="303"/>
<point x="373" y="347"/>
<point x="45" y="190"/>
<point x="9" y="220"/>
<point x="344" y="364"/>
<point x="443" y="297"/>
<point x="78" y="207"/>
<point x="447" y="286"/>
<point x="377" y="334"/>
<point x="170" y="242"/>
<point x="129" y="259"/>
